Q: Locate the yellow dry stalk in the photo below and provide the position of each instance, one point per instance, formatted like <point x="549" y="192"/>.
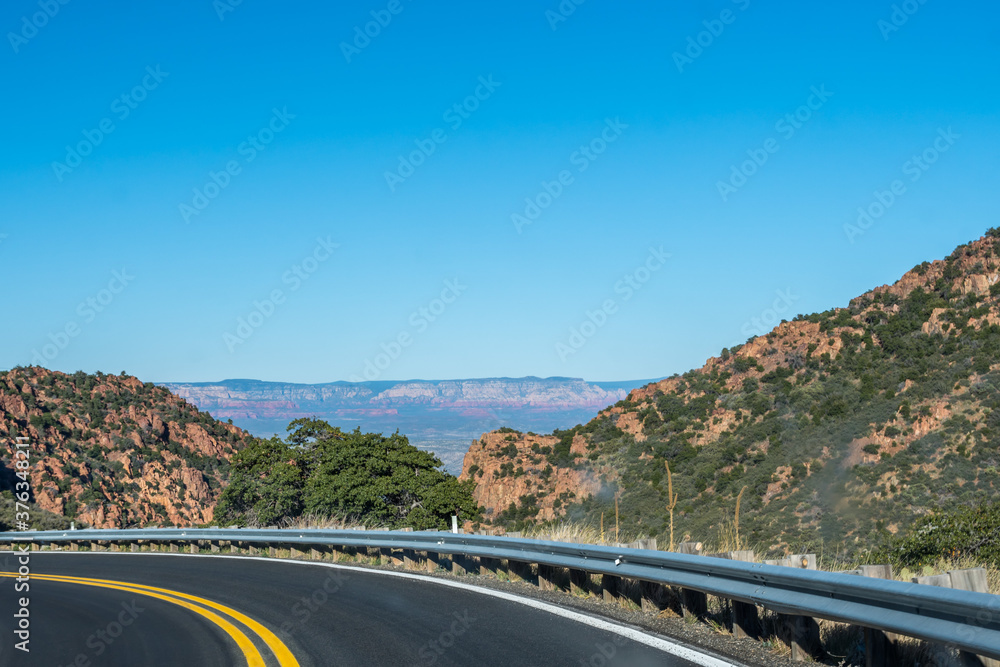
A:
<point x="671" y="502"/>
<point x="736" y="518"/>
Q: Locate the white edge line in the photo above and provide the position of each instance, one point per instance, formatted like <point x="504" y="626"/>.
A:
<point x="674" y="649"/>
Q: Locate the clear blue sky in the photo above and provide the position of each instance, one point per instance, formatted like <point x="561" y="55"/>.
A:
<point x="562" y="84"/>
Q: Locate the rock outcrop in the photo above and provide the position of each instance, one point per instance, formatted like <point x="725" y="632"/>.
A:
<point x="111" y="451"/>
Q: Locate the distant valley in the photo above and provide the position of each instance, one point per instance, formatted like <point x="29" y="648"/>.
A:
<point x="443" y="416"/>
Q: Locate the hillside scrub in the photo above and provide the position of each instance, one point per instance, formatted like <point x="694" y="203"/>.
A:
<point x="845" y="427"/>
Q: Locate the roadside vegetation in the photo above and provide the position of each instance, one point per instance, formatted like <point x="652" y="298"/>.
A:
<point x="322" y="474"/>
<point x="841" y="429"/>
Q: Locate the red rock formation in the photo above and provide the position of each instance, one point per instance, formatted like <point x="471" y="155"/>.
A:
<point x="110" y="451"/>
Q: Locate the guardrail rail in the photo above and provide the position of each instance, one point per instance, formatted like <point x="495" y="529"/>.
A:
<point x="955" y="619"/>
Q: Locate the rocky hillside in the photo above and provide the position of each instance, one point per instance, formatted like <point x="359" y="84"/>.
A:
<point x="838" y="427"/>
<point x="110" y="451"/>
<point x="438" y="415"/>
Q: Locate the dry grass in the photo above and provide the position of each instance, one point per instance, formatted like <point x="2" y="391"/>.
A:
<point x="317" y="521"/>
<point x="578" y="533"/>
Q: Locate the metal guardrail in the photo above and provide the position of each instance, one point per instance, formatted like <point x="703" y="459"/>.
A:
<point x="965" y="620"/>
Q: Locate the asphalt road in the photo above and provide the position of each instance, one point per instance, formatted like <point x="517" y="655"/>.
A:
<point x="320" y="615"/>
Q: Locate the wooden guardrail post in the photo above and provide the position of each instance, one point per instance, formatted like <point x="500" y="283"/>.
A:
<point x="579" y="582"/>
<point x="880" y="647"/>
<point x="746" y="620"/>
<point x="459" y="565"/>
<point x="974" y="580"/>
<point x="801" y="632"/>
<point x="433" y="561"/>
<point x="610" y="587"/>
<point x="521" y="570"/>
<point x="554" y="578"/>
<point x="488" y="566"/>
<point x="693" y="603"/>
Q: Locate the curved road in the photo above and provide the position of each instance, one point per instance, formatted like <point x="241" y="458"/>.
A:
<point x="151" y="609"/>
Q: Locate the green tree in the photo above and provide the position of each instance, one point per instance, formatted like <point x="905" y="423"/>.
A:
<point x="322" y="470"/>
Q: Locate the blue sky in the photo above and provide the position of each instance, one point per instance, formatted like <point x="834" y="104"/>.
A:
<point x="640" y="137"/>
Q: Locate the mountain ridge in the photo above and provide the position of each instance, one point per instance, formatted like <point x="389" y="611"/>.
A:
<point x="840" y="426"/>
<point x="440" y="415"/>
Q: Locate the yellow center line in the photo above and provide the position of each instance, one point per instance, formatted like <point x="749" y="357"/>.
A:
<point x="281" y="652"/>
<point x="250" y="652"/>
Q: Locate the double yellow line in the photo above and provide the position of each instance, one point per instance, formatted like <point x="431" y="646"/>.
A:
<point x="200" y="606"/>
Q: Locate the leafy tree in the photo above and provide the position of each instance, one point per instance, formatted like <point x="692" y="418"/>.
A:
<point x="320" y="469"/>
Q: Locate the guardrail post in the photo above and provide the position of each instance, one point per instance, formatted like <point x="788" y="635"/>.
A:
<point x="215" y="546"/>
<point x="173" y="547"/>
<point x="654" y="596"/>
<point x="801" y="632"/>
<point x="551" y="578"/>
<point x="410" y="561"/>
<point x="974" y="580"/>
<point x="693" y="603"/>
<point x="74" y="546"/>
<point x="803" y="636"/>
<point x="193" y="547"/>
<point x="521" y="570"/>
<point x="488" y="566"/>
<point x="880" y="647"/>
<point x="611" y="587"/>
<point x="433" y="561"/>
<point x="459" y="565"/>
<point x="133" y="547"/>
<point x="746" y="621"/>
<point x="579" y="582"/>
